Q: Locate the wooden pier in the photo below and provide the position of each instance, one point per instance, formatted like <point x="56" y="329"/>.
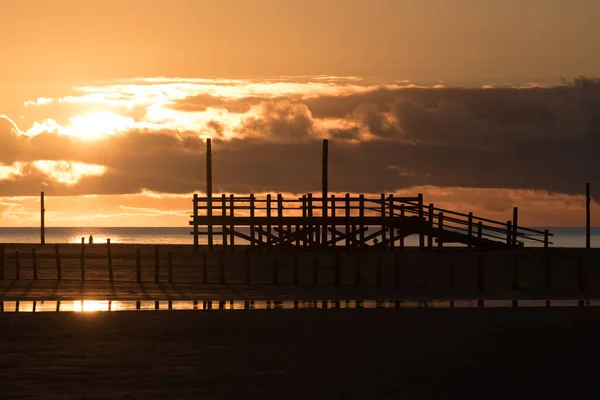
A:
<point x="352" y="222"/>
<point x="349" y="223"/>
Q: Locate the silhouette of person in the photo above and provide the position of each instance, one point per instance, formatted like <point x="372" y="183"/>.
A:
<point x="375" y="242"/>
<point x="91" y="239"/>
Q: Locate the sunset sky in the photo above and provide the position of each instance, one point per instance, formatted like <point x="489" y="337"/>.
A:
<point x="480" y="105"/>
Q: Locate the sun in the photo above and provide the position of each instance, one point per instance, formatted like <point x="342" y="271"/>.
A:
<point x="98" y="125"/>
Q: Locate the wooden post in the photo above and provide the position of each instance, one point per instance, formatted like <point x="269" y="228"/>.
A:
<point x="252" y="229"/>
<point x="333" y="225"/>
<point x="138" y="265"/>
<point x="1" y="262"/>
<point x="358" y="271"/>
<point x="470" y="230"/>
<point x="195" y="204"/>
<point x="280" y="216"/>
<point x="338" y="268"/>
<point x="480" y="230"/>
<point x="430" y="235"/>
<point x="17" y="266"/>
<point x="309" y="213"/>
<point x="209" y="210"/>
<point x="441" y="229"/>
<point x="110" y="268"/>
<point x="588" y="201"/>
<point x="82" y="260"/>
<point x="515" y="225"/>
<point x="224" y="227"/>
<point x="508" y="232"/>
<point x="231" y="226"/>
<point x="347" y="214"/>
<point x="401" y="230"/>
<point x="383" y="224"/>
<point x="324" y="191"/>
<point x="246" y="267"/>
<point x="156" y="264"/>
<point x="421" y="233"/>
<point x="34" y="262"/>
<point x="170" y="260"/>
<point x="361" y="215"/>
<point x="296" y="270"/>
<point x="546" y="239"/>
<point x="58" y="267"/>
<point x="268" y="206"/>
<point x="42" y="220"/>
<point x="315" y="272"/>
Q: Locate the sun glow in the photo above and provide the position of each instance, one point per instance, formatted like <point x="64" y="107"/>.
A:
<point x="94" y="305"/>
<point x="98" y="125"/>
<point x="68" y="172"/>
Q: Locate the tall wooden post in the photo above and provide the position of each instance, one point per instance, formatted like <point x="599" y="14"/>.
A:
<point x="42" y="220"/>
<point x="209" y="193"/>
<point x="324" y="194"/>
<point x="588" y="201"/>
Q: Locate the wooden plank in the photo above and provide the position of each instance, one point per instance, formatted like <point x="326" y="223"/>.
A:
<point x="42" y="220"/>
<point x="209" y="199"/>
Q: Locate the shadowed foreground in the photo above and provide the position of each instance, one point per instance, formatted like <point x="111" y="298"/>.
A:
<point x="417" y="354"/>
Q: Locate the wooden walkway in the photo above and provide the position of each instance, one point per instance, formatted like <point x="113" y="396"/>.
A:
<point x="353" y="223"/>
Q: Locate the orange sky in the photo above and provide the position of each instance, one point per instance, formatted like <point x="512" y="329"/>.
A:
<point x="113" y="99"/>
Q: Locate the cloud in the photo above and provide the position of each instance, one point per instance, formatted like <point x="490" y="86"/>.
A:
<point x="267" y="138"/>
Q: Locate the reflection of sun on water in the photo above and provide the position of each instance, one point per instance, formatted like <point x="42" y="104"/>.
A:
<point x="94" y="305"/>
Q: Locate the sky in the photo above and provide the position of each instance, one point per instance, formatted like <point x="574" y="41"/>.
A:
<point x="480" y="105"/>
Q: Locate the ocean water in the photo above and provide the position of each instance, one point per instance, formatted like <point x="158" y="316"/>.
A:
<point x="563" y="237"/>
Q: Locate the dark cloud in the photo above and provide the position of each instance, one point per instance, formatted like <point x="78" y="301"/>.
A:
<point x="540" y="138"/>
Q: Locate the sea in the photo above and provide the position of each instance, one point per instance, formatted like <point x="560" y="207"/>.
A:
<point x="563" y="237"/>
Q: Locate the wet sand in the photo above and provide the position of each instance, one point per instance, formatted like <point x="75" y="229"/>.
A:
<point x="301" y="354"/>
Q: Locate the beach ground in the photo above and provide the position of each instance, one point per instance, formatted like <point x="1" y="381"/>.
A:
<point x="529" y="353"/>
